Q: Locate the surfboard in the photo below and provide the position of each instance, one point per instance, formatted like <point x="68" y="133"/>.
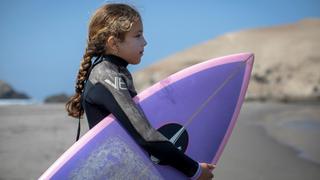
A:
<point x="195" y="108"/>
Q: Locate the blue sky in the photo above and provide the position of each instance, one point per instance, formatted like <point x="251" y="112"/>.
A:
<point x="42" y="42"/>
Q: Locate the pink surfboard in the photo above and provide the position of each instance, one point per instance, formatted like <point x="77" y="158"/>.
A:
<point x="195" y="108"/>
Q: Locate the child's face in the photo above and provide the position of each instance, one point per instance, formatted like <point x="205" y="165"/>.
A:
<point x="131" y="49"/>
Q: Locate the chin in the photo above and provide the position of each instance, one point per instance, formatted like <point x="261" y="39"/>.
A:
<point x="136" y="62"/>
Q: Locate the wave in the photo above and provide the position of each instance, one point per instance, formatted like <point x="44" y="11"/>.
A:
<point x="298" y="129"/>
<point x="6" y="102"/>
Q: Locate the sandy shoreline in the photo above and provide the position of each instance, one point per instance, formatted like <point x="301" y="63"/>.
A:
<point x="270" y="141"/>
<point x="254" y="153"/>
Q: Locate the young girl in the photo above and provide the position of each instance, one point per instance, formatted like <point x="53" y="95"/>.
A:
<point x="105" y="86"/>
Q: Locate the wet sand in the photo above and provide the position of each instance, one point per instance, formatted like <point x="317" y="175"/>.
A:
<point x="263" y="148"/>
<point x="270" y="141"/>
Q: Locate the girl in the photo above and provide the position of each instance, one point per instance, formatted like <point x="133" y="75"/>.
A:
<point x="105" y="86"/>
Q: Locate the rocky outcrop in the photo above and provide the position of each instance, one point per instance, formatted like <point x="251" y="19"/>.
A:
<point x="287" y="60"/>
<point x="57" y="98"/>
<point x="7" y="92"/>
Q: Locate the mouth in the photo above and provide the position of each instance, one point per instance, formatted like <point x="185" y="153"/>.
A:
<point x="141" y="52"/>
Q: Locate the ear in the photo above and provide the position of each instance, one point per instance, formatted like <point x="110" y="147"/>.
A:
<point x="112" y="44"/>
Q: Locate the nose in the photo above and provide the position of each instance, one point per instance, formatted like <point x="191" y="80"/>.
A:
<point x="144" y="42"/>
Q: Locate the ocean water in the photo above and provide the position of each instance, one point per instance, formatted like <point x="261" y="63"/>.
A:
<point x="6" y="102"/>
<point x="297" y="126"/>
<point x="307" y="125"/>
<point x="306" y="142"/>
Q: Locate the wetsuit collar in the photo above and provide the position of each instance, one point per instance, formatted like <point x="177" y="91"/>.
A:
<point x="115" y="60"/>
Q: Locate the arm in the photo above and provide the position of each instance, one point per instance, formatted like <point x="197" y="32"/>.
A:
<point x="111" y="93"/>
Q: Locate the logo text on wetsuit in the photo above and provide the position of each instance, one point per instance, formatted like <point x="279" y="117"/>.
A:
<point x="117" y="84"/>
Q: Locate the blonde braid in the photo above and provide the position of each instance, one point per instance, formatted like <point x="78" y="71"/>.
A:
<point x="94" y="48"/>
<point x="109" y="20"/>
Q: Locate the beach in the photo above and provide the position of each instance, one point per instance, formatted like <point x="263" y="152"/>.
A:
<point x="264" y="145"/>
<point x="270" y="141"/>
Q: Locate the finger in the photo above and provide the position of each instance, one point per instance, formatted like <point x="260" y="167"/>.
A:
<point x="211" y="166"/>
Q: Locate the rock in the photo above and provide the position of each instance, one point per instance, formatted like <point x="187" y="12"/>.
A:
<point x="287" y="60"/>
<point x="7" y="92"/>
<point x="58" y="98"/>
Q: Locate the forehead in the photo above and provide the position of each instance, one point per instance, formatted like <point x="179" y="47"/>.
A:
<point x="136" y="27"/>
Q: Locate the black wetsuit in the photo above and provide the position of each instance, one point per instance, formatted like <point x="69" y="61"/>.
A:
<point x="109" y="89"/>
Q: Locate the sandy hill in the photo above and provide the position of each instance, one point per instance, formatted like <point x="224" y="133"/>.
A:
<point x="287" y="60"/>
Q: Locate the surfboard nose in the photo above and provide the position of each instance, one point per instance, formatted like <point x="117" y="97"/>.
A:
<point x="250" y="59"/>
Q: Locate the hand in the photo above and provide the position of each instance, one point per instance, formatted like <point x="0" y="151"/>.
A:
<point x="206" y="171"/>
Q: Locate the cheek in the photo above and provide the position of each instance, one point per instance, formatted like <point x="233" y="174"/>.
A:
<point x="142" y="41"/>
<point x="136" y="42"/>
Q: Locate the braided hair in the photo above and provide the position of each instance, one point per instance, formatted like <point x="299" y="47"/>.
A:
<point x="109" y="20"/>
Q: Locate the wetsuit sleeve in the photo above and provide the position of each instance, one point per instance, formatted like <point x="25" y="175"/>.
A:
<point x="111" y="93"/>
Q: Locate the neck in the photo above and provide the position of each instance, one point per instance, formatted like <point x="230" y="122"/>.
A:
<point x="115" y="60"/>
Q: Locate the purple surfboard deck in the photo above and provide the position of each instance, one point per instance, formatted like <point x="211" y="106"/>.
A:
<point x="204" y="99"/>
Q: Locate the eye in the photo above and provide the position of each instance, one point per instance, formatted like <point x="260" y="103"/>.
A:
<point x="138" y="35"/>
